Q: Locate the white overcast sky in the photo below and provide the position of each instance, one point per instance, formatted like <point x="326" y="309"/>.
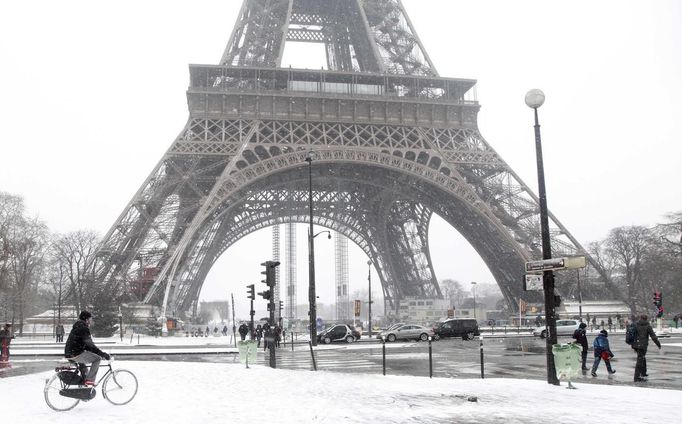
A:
<point x="93" y="93"/>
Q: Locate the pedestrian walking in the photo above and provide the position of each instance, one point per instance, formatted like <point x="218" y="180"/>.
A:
<point x="267" y="335"/>
<point x="594" y="323"/>
<point x="243" y="330"/>
<point x="580" y="336"/>
<point x="6" y="337"/>
<point x="259" y="334"/>
<point x="641" y="344"/>
<point x="59" y="332"/>
<point x="225" y="330"/>
<point x="602" y="351"/>
<point x="208" y="331"/>
<point x="278" y="335"/>
<point x="609" y="322"/>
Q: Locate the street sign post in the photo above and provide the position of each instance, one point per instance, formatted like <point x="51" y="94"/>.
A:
<point x="555" y="264"/>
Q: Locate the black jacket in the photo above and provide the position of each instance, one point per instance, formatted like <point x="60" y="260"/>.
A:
<point x="243" y="329"/>
<point x="581" y="337"/>
<point x="79" y="341"/>
<point x="644" y="331"/>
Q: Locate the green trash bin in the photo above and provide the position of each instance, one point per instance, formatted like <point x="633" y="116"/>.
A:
<point x="247" y="351"/>
<point x="567" y="361"/>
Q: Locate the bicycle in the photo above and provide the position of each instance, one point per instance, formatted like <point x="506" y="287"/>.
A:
<point x="65" y="389"/>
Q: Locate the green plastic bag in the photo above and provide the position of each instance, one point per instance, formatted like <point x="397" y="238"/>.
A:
<point x="247" y="349"/>
<point x="567" y="361"/>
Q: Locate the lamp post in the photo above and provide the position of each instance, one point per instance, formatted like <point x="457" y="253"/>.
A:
<point x="120" y="322"/>
<point x="311" y="256"/>
<point x="369" y="282"/>
<point x="534" y="99"/>
<point x="473" y="290"/>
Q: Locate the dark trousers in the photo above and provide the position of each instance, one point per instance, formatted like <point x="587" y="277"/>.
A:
<point x="597" y="359"/>
<point x="584" y="355"/>
<point x="640" y="366"/>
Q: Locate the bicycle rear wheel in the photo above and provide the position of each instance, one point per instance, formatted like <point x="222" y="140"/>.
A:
<point x="120" y="387"/>
<point x="52" y="397"/>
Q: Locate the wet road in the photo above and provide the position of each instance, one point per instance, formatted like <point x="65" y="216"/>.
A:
<point x="518" y="357"/>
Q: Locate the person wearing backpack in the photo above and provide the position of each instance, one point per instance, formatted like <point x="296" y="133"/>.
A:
<point x="641" y="343"/>
<point x="631" y="332"/>
<point x="602" y="351"/>
<point x="580" y="337"/>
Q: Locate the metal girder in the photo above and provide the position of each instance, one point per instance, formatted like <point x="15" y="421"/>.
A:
<point x="395" y="144"/>
<point x="361" y="36"/>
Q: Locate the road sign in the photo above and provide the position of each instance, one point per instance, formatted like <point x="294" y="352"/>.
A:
<point x="554" y="264"/>
<point x="533" y="282"/>
<point x="546" y="265"/>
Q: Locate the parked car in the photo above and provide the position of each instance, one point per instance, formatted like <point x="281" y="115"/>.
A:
<point x="407" y="332"/>
<point x="467" y="329"/>
<point x="337" y="333"/>
<point x="390" y="327"/>
<point x="564" y="327"/>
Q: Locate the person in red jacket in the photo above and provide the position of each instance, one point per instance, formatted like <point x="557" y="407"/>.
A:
<point x="82" y="350"/>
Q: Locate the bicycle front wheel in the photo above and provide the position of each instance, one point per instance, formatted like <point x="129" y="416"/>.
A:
<point x="120" y="387"/>
<point x="52" y="397"/>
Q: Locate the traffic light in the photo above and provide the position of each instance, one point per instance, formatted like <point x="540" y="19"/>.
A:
<point x="265" y="294"/>
<point x="281" y="305"/>
<point x="270" y="276"/>
<point x="251" y="291"/>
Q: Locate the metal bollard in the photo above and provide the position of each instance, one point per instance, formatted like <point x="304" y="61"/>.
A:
<point x="481" y="347"/>
<point x="383" y="353"/>
<point x="430" y="359"/>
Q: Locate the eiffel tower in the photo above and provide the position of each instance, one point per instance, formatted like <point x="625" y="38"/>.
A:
<point x="390" y="144"/>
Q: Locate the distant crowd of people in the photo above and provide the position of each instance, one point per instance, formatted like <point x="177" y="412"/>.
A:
<point x="271" y="336"/>
<point x="199" y="332"/>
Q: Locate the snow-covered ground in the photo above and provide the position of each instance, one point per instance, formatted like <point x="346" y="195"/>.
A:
<point x="173" y="392"/>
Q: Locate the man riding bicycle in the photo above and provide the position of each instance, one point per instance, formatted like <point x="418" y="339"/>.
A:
<point x="81" y="349"/>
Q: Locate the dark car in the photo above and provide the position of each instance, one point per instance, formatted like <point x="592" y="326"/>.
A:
<point x="467" y="329"/>
<point x="338" y="333"/>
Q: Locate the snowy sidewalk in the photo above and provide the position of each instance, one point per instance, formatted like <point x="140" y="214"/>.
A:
<point x="171" y="392"/>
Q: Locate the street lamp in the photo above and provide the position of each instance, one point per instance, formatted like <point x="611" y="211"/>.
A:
<point x="369" y="282"/>
<point x="473" y="290"/>
<point x="311" y="255"/>
<point x="120" y="322"/>
<point x="534" y="99"/>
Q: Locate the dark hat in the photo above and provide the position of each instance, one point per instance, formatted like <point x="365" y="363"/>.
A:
<point x="604" y="332"/>
<point x="582" y="325"/>
<point x="84" y="315"/>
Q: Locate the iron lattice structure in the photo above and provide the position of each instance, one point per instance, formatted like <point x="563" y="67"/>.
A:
<point x="341" y="278"/>
<point x="394" y="143"/>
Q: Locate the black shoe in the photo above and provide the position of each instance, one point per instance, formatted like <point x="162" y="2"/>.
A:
<point x="645" y="375"/>
<point x="640" y="380"/>
<point x="594" y="374"/>
<point x="612" y="372"/>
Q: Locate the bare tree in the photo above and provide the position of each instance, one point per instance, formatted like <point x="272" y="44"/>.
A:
<point x="624" y="256"/>
<point x="11" y="214"/>
<point x="74" y="253"/>
<point x="28" y="241"/>
<point x="452" y="291"/>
